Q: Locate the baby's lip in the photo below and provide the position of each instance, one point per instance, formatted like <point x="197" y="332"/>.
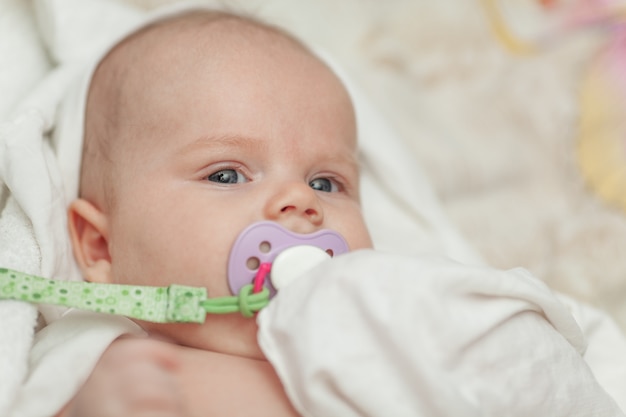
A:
<point x="263" y="241"/>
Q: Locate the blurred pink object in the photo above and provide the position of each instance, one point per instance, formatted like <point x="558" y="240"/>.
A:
<point x="531" y="24"/>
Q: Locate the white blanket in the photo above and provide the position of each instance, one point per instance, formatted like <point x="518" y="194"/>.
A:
<point x="39" y="152"/>
<point x="374" y="334"/>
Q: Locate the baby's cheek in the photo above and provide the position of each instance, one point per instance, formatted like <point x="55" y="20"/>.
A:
<point x="356" y="232"/>
<point x="363" y="241"/>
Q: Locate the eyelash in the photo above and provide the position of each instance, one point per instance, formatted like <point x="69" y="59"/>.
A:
<point x="335" y="185"/>
<point x="215" y="175"/>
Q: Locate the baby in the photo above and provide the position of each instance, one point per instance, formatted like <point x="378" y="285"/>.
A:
<point x="196" y="127"/>
<point x="203" y="124"/>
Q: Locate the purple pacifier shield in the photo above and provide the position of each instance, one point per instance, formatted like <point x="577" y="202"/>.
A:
<point x="261" y="242"/>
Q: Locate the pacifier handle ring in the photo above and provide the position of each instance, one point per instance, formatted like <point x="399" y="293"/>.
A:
<point x="261" y="275"/>
<point x="173" y="304"/>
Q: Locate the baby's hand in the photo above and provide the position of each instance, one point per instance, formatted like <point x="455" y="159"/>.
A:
<point x="133" y="378"/>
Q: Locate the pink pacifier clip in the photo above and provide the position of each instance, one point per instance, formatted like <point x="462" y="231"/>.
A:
<point x="259" y="278"/>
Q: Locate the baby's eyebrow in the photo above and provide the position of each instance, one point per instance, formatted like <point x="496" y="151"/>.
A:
<point x="347" y="166"/>
<point x="224" y="141"/>
<point x="348" y="159"/>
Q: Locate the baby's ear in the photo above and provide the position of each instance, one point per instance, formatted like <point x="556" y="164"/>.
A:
<point x="89" y="235"/>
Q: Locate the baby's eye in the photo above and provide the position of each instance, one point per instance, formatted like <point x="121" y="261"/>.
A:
<point x="227" y="176"/>
<point x="324" y="184"/>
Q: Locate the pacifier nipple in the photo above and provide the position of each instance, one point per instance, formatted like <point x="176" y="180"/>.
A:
<point x="290" y="254"/>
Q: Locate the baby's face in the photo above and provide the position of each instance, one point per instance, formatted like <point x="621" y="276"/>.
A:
<point x="221" y="135"/>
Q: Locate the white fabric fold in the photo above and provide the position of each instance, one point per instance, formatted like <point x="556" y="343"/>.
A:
<point x="372" y="334"/>
<point x="38" y="175"/>
<point x="62" y="358"/>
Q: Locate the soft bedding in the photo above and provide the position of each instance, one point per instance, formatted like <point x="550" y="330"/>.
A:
<point x="48" y="41"/>
<point x="375" y="334"/>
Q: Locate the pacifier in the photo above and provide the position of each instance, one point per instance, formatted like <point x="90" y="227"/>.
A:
<point x="277" y="255"/>
<point x="265" y="258"/>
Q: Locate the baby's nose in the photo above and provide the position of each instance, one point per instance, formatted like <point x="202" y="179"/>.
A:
<point x="295" y="200"/>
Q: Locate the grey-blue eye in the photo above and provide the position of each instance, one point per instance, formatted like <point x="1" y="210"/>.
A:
<point x="227" y="176"/>
<point x="324" y="184"/>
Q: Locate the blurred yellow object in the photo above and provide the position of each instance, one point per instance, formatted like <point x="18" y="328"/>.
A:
<point x="527" y="26"/>
<point x="602" y="141"/>
<point x="502" y="29"/>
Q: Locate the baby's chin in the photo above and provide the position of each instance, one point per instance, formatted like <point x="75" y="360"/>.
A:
<point x="230" y="334"/>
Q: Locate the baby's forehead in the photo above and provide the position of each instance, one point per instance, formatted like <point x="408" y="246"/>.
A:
<point x="147" y="57"/>
<point x="170" y="46"/>
<point x="166" y="49"/>
<point x="146" y="74"/>
<point x="199" y="32"/>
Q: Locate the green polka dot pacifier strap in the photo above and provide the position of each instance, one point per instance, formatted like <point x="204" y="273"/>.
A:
<point x="173" y="304"/>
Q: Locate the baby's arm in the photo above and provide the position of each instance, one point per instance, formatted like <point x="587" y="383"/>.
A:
<point x="146" y="377"/>
<point x="134" y="377"/>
